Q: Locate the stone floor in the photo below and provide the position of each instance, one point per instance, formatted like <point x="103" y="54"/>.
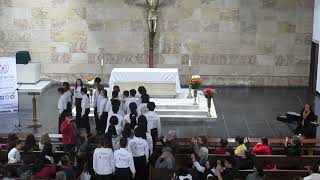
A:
<point x="240" y="111"/>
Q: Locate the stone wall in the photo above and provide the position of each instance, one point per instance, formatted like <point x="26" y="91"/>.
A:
<point x="230" y="42"/>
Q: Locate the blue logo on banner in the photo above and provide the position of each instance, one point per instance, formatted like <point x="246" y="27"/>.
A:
<point x="1" y="97"/>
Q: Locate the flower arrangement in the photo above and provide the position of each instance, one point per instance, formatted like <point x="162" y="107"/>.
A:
<point x="89" y="81"/>
<point x="208" y="92"/>
<point x="196" y="81"/>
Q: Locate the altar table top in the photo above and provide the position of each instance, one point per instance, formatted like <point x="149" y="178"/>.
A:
<point x="145" y="75"/>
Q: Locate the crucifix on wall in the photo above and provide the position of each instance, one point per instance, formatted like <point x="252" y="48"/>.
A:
<point x="152" y="18"/>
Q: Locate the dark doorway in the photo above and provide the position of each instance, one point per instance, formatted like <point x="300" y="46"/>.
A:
<point x="313" y="66"/>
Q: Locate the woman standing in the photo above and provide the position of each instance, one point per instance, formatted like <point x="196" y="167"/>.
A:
<point x="103" y="113"/>
<point x="85" y="105"/>
<point x="308" y="130"/>
<point x="77" y="99"/>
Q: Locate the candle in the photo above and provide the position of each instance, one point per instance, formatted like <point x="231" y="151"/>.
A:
<point x="190" y="62"/>
<point x="101" y="62"/>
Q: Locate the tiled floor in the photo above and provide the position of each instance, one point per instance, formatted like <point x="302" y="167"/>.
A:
<point x="240" y="111"/>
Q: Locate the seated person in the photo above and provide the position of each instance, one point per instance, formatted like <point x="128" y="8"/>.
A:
<point x="293" y="148"/>
<point x="171" y="141"/>
<point x="166" y="160"/>
<point x="199" y="143"/>
<point x="30" y="144"/>
<point x="246" y="161"/>
<point x="241" y="148"/>
<point x="222" y="148"/>
<point x="11" y="140"/>
<point x="257" y="173"/>
<point x="67" y="168"/>
<point x="314" y="174"/>
<point x="229" y="171"/>
<point x="203" y="155"/>
<point x="262" y="148"/>
<point x="182" y="174"/>
<point x="45" y="139"/>
<point x="44" y="168"/>
<point x="14" y="154"/>
<point x="28" y="162"/>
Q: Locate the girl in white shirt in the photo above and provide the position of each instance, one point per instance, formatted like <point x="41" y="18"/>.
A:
<point x="85" y="106"/>
<point x="66" y="87"/>
<point x="103" y="113"/>
<point x="142" y="109"/>
<point x="142" y="124"/>
<point x="77" y="97"/>
<point x="103" y="160"/>
<point x="96" y="94"/>
<point x="112" y="135"/>
<point x="115" y="111"/>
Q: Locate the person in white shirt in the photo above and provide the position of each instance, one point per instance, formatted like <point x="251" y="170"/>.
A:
<point x="125" y="169"/>
<point x="103" y="160"/>
<point x="140" y="152"/>
<point x="154" y="125"/>
<point x="125" y="96"/>
<point x="142" y="124"/>
<point x="112" y="135"/>
<point x="103" y="113"/>
<point x="85" y="110"/>
<point x="115" y="96"/>
<point x="132" y="117"/>
<point x="142" y="109"/>
<point x="115" y="111"/>
<point x="127" y="132"/>
<point x="68" y="93"/>
<point x="142" y="90"/>
<point x="114" y="121"/>
<point x="62" y="106"/>
<point x="96" y="94"/>
<point x="77" y="96"/>
<point x="130" y="100"/>
<point x="14" y="154"/>
<point x="314" y="174"/>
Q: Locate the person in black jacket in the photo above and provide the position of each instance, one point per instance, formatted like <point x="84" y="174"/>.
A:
<point x="305" y="126"/>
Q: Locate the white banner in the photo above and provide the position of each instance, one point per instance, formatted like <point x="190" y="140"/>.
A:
<point x="8" y="84"/>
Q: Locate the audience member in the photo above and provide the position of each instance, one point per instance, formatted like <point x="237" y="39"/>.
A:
<point x="293" y="148"/>
<point x="171" y="141"/>
<point x="83" y="143"/>
<point x="262" y="148"/>
<point x="203" y="157"/>
<point x="30" y="144"/>
<point x="124" y="163"/>
<point x="47" y="152"/>
<point x="241" y="147"/>
<point x="68" y="131"/>
<point x="67" y="168"/>
<point x="166" y="160"/>
<point x="140" y="152"/>
<point x="222" y="148"/>
<point x="257" y="173"/>
<point x="182" y="174"/>
<point x="228" y="172"/>
<point x="14" y="154"/>
<point x="44" y="168"/>
<point x="11" y="140"/>
<point x="199" y="143"/>
<point x="154" y="124"/>
<point x="314" y="174"/>
<point x="132" y="117"/>
<point x="28" y="162"/>
<point x="246" y="161"/>
<point x="103" y="160"/>
<point x="45" y="139"/>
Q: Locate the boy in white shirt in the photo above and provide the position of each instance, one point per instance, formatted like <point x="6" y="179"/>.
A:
<point x="103" y="160"/>
<point x="14" y="154"/>
<point x="130" y="99"/>
<point x="124" y="162"/>
<point x="154" y="124"/>
<point x="96" y="94"/>
<point x="62" y="106"/>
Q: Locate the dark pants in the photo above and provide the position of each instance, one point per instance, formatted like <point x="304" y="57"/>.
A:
<point x="62" y="117"/>
<point x="140" y="163"/>
<point x="103" y="122"/>
<point x="77" y="103"/>
<point x="104" y="177"/>
<point x="96" y="118"/>
<point x="69" y="108"/>
<point x="154" y="135"/>
<point x="123" y="174"/>
<point x="67" y="147"/>
<point x="84" y="122"/>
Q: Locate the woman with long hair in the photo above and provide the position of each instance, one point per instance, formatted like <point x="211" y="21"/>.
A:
<point x="77" y="95"/>
<point x="131" y="118"/>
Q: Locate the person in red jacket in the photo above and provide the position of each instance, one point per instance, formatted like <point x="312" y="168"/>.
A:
<point x="68" y="130"/>
<point x="263" y="148"/>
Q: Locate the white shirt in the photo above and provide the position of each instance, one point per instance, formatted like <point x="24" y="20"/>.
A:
<point x="103" y="161"/>
<point x="128" y="102"/>
<point x="185" y="177"/>
<point x="138" y="147"/>
<point x="102" y="106"/>
<point x="109" y="105"/>
<point x="313" y="176"/>
<point x="115" y="142"/>
<point x="99" y="98"/>
<point x="153" y="121"/>
<point x="150" y="142"/>
<point x="124" y="159"/>
<point x="62" y="104"/>
<point x="68" y="93"/>
<point x="121" y="122"/>
<point x="95" y="98"/>
<point x="142" y="109"/>
<point x="85" y="104"/>
<point x="77" y="92"/>
<point x="14" y="156"/>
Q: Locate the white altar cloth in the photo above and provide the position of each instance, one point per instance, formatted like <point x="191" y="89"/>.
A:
<point x="146" y="75"/>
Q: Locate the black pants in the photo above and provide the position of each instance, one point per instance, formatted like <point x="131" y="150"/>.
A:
<point x="77" y="103"/>
<point x="123" y="174"/>
<point x="154" y="135"/>
<point x="140" y="163"/>
<point x="96" y="117"/>
<point x="62" y="117"/>
<point x="104" y="177"/>
<point x="103" y="122"/>
<point x="69" y="108"/>
<point x="84" y="122"/>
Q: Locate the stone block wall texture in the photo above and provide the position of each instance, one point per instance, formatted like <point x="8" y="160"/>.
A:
<point x="230" y="42"/>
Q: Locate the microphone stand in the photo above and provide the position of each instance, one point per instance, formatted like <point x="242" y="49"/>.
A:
<point x="19" y="128"/>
